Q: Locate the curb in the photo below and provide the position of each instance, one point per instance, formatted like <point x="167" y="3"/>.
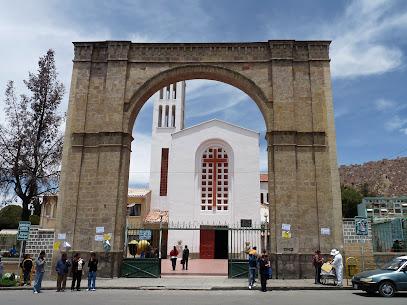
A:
<point x="216" y="288"/>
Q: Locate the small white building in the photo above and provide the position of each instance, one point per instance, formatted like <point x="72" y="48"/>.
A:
<point x="206" y="175"/>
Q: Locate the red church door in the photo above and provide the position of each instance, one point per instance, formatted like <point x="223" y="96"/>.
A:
<point x="207" y="244"/>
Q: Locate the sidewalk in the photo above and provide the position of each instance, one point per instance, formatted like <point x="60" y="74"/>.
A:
<point x="189" y="283"/>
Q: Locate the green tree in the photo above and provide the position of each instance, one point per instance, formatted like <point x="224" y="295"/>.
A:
<point x="30" y="141"/>
<point x="350" y="199"/>
<point x="10" y="216"/>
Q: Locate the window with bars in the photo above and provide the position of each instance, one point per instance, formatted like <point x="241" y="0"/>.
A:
<point x="215" y="179"/>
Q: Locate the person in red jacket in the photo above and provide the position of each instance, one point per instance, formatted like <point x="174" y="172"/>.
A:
<point x="173" y="257"/>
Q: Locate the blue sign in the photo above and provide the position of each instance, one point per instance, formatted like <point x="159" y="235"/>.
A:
<point x="144" y="234"/>
<point x="23" y="230"/>
<point x="361" y="226"/>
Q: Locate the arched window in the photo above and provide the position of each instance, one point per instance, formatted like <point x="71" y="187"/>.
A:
<point x="173" y="116"/>
<point x="167" y="110"/>
<point x="215" y="179"/>
<point x="48" y="209"/>
<point x="174" y="91"/>
<point x="160" y="116"/>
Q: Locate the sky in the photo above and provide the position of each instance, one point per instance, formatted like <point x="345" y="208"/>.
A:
<point x="368" y="58"/>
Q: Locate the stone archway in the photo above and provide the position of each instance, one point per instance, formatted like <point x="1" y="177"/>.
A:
<point x="288" y="80"/>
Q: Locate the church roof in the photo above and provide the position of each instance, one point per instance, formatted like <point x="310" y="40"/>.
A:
<point x="138" y="193"/>
<point x="264" y="177"/>
<point x="153" y="217"/>
<point x="219" y="123"/>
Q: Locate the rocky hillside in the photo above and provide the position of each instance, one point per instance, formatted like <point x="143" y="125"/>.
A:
<point x="383" y="178"/>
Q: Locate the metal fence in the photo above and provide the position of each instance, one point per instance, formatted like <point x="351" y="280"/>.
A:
<point x="146" y="246"/>
<point x="390" y="235"/>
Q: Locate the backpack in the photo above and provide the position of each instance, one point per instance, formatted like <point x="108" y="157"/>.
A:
<point x="252" y="260"/>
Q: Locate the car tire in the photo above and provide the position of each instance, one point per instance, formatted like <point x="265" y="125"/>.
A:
<point x="387" y="289"/>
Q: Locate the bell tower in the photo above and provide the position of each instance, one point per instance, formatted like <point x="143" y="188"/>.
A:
<point x="168" y="117"/>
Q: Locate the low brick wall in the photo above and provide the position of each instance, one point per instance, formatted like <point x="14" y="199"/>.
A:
<point x="41" y="239"/>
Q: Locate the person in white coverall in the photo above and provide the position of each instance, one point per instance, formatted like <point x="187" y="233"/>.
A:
<point x="337" y="263"/>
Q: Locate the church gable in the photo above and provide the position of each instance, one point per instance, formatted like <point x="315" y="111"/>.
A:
<point x="215" y="124"/>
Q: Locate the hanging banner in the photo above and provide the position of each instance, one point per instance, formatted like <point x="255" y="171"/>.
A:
<point x="57" y="245"/>
<point x="286" y="234"/>
<point x="100" y="230"/>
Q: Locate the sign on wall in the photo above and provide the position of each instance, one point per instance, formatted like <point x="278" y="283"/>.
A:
<point x="23" y="230"/>
<point x="144" y="234"/>
<point x="361" y="226"/>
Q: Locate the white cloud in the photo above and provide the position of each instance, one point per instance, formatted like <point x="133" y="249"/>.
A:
<point x="360" y="37"/>
<point x="225" y="97"/>
<point x="384" y="104"/>
<point x="139" y="173"/>
<point x="396" y="123"/>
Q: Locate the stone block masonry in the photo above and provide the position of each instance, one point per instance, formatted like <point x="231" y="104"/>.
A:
<point x="41" y="239"/>
<point x="288" y="80"/>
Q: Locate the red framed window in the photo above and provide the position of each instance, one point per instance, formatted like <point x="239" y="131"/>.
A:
<point x="215" y="179"/>
<point x="164" y="172"/>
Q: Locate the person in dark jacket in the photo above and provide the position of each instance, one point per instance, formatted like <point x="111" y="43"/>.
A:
<point x="93" y="267"/>
<point x="77" y="267"/>
<point x="27" y="265"/>
<point x="317" y="261"/>
<point x="62" y="269"/>
<point x="185" y="257"/>
<point x="264" y="266"/>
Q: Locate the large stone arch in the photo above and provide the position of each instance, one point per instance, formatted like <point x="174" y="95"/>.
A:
<point x="289" y="81"/>
<point x="201" y="71"/>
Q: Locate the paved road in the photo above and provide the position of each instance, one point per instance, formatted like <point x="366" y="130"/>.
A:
<point x="126" y="297"/>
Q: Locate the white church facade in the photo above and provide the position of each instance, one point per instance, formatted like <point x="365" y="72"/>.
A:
<point x="206" y="175"/>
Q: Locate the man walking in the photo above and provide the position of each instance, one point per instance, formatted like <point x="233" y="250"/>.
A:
<point x="185" y="257"/>
<point x="252" y="266"/>
<point x="62" y="269"/>
<point x="39" y="272"/>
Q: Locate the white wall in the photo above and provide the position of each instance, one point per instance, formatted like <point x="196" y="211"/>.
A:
<point x="242" y="146"/>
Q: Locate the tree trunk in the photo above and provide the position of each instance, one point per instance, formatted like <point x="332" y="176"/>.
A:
<point x="25" y="215"/>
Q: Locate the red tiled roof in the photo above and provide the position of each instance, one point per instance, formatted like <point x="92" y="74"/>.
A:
<point x="154" y="216"/>
<point x="264" y="177"/>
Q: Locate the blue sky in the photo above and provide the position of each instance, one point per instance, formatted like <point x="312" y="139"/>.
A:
<point x="368" y="55"/>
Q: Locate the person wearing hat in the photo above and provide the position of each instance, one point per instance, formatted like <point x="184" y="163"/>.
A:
<point x="337" y="263"/>
<point x="317" y="261"/>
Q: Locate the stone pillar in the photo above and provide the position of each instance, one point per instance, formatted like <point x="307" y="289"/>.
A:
<point x="96" y="154"/>
<point x="303" y="175"/>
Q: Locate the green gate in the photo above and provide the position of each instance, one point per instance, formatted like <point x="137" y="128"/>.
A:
<point x="141" y="267"/>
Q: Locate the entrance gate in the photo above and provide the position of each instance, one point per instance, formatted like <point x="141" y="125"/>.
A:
<point x="288" y="80"/>
<point x="216" y="242"/>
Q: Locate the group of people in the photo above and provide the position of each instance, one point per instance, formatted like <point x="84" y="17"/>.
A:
<point x="63" y="266"/>
<point x="259" y="264"/>
<point x="336" y="262"/>
<point x="184" y="260"/>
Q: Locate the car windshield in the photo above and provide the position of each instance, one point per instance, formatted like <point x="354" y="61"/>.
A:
<point x="394" y="264"/>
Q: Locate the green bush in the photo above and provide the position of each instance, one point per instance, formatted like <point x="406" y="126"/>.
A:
<point x="10" y="216"/>
<point x="34" y="219"/>
<point x="6" y="282"/>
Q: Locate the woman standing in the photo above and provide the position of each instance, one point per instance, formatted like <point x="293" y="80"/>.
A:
<point x="317" y="261"/>
<point x="173" y="256"/>
<point x="264" y="266"/>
